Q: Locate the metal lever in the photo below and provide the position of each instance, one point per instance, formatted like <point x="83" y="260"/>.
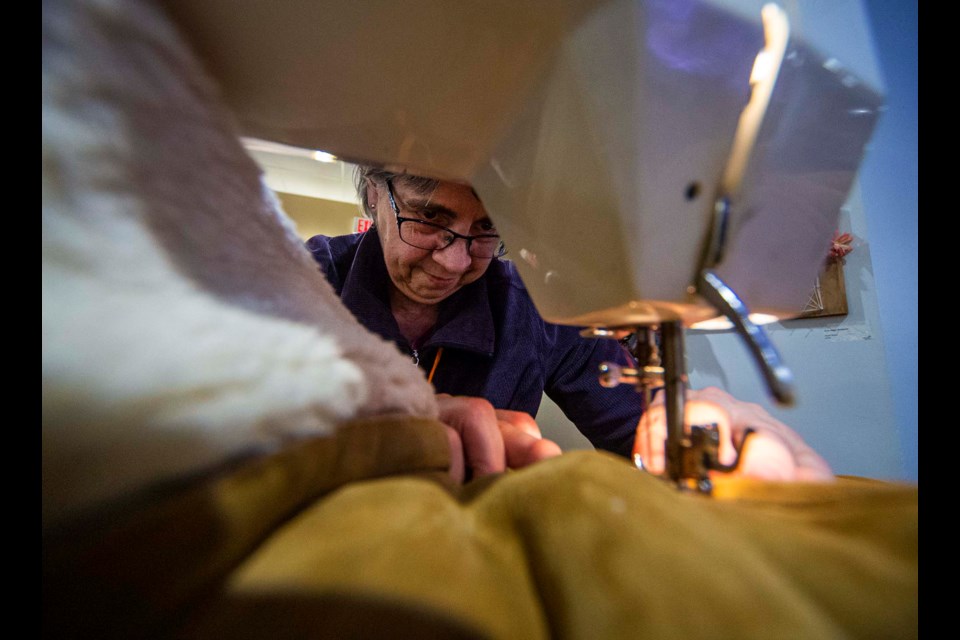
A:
<point x="675" y="401"/>
<point x="777" y="376"/>
<point x="613" y="374"/>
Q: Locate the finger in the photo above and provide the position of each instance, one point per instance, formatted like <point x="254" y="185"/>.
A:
<point x="523" y="449"/>
<point x="543" y="449"/>
<point x="807" y="463"/>
<point x="520" y="419"/>
<point x="475" y="421"/>
<point x="457" y="466"/>
<point x="812" y="467"/>
<point x="649" y="441"/>
<point x="766" y="456"/>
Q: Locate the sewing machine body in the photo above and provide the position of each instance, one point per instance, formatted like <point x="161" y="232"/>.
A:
<point x="597" y="133"/>
<point x="625" y="246"/>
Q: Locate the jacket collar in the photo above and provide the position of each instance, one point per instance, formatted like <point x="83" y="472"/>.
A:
<point x="465" y="320"/>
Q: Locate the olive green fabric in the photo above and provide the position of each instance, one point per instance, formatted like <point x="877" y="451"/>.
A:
<point x="581" y="546"/>
<point x="133" y="569"/>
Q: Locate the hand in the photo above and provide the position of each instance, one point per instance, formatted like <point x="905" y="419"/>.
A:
<point x="522" y="439"/>
<point x="773" y="452"/>
<point x="487" y="440"/>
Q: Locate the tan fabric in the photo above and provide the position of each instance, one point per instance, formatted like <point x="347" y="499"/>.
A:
<point x="582" y="546"/>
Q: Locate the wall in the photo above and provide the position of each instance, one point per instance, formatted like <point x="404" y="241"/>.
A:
<point x="315" y="216"/>
<point x="889" y="178"/>
<point x="319" y="197"/>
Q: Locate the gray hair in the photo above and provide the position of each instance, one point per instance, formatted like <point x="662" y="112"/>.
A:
<point x="380" y="176"/>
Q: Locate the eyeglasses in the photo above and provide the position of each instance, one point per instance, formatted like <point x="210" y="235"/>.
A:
<point x="434" y="237"/>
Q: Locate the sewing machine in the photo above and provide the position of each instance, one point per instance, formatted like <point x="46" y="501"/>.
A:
<point x="648" y="164"/>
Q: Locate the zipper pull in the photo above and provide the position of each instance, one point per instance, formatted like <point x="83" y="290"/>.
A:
<point x="416" y="356"/>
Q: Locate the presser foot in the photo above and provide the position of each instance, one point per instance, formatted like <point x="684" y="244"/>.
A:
<point x="700" y="454"/>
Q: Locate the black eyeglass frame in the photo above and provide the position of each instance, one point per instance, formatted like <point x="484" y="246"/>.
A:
<point x="453" y="235"/>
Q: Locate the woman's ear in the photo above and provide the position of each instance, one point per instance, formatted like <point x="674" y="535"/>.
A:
<point x="373" y="195"/>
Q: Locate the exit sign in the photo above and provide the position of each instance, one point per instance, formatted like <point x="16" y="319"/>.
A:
<point x="361" y="224"/>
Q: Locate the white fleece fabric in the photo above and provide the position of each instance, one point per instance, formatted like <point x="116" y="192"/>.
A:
<point x="183" y="321"/>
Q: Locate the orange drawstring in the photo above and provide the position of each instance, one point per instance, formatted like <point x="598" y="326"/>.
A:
<point x="436" y="361"/>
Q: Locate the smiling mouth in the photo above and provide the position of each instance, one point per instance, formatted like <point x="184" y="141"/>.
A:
<point x="440" y="280"/>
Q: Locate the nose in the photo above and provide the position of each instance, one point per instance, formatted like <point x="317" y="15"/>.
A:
<point x="454" y="258"/>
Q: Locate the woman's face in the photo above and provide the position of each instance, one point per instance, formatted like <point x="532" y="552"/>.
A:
<point x="423" y="276"/>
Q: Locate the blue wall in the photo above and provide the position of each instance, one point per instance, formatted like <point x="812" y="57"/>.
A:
<point x="890" y="197"/>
